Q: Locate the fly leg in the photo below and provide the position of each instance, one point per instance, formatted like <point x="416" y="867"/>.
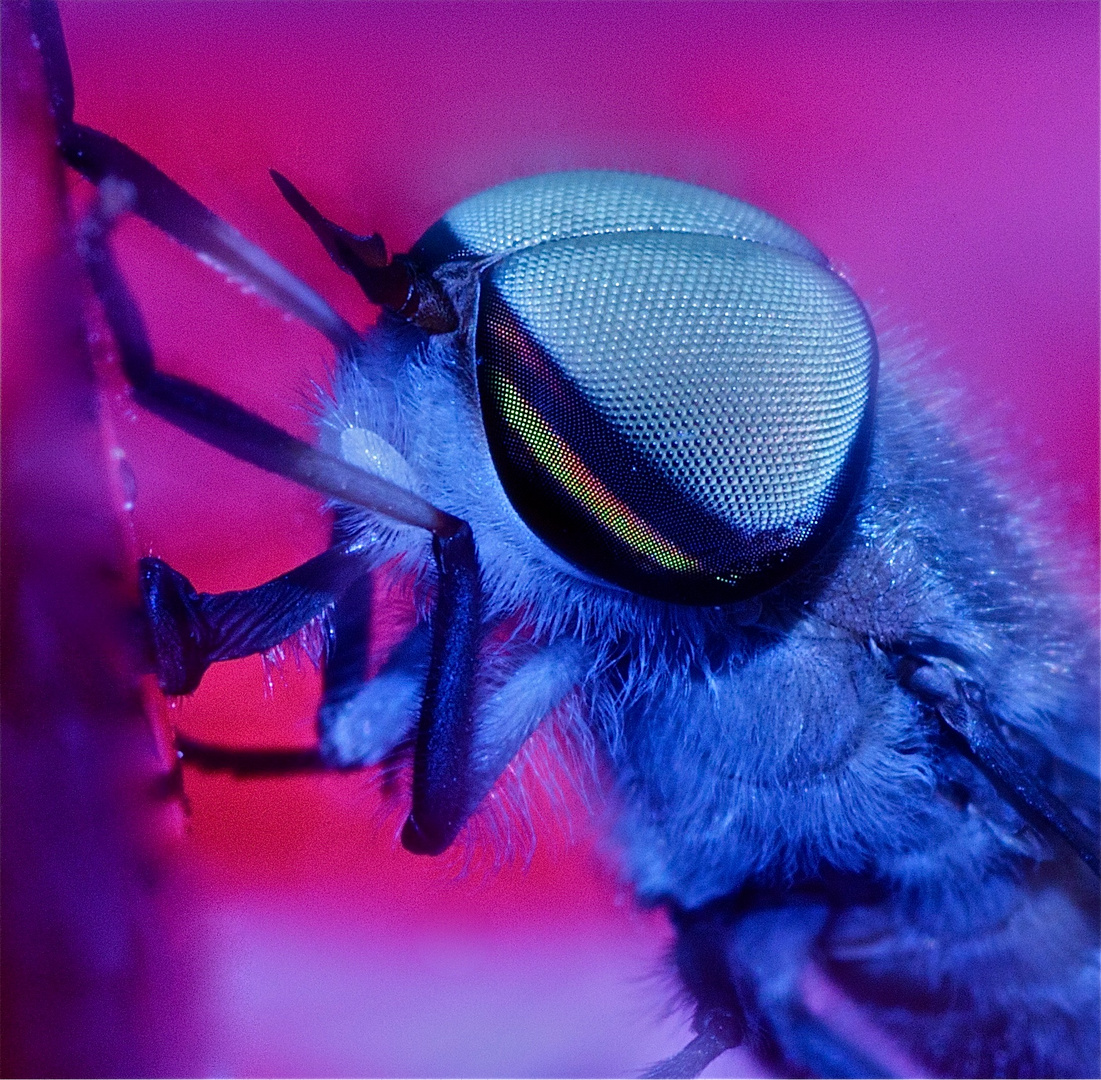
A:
<point x="165" y="204"/>
<point x="442" y="771"/>
<point x="741" y="959"/>
<point x="722" y="997"/>
<point x="359" y="721"/>
<point x="192" y="630"/>
<point x="189" y="631"/>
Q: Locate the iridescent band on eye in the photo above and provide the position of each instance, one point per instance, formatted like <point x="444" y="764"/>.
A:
<point x="556" y="457"/>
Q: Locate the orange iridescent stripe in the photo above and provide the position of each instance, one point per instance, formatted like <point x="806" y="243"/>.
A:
<point x="557" y="457"/>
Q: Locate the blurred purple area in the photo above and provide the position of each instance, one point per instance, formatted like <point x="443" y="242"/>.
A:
<point x="92" y="976"/>
<point x="945" y="156"/>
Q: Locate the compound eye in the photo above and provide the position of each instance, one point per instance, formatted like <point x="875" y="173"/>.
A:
<point x="684" y="416"/>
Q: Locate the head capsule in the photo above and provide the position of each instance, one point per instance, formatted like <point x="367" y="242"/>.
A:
<point x="677" y="390"/>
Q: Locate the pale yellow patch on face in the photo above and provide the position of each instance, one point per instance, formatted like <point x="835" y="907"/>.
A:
<point x="375" y="455"/>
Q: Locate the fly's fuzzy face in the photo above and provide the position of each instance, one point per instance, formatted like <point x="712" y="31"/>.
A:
<point x="930" y="547"/>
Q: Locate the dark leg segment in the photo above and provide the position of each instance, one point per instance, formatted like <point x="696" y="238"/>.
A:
<point x="720" y="1000"/>
<point x="691" y="1061"/>
<point x="192" y="630"/>
<point x="217" y="420"/>
<point x="127" y="181"/>
<point x="442" y="772"/>
<point x="345" y="667"/>
<point x="250" y="764"/>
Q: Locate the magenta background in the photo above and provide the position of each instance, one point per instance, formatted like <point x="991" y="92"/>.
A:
<point x="945" y="156"/>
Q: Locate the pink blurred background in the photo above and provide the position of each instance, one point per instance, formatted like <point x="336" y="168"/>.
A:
<point x="944" y="156"/>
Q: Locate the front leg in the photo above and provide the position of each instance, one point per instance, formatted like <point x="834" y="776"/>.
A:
<point x="190" y="630"/>
<point x="126" y="181"/>
<point x="165" y="204"/>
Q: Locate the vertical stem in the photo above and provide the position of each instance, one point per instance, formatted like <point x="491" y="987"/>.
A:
<point x="88" y="968"/>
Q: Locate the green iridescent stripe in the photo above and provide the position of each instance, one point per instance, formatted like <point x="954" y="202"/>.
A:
<point x="556" y="456"/>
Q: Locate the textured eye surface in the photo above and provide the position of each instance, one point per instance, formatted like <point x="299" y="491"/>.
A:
<point x="682" y="415"/>
<point x="562" y="206"/>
